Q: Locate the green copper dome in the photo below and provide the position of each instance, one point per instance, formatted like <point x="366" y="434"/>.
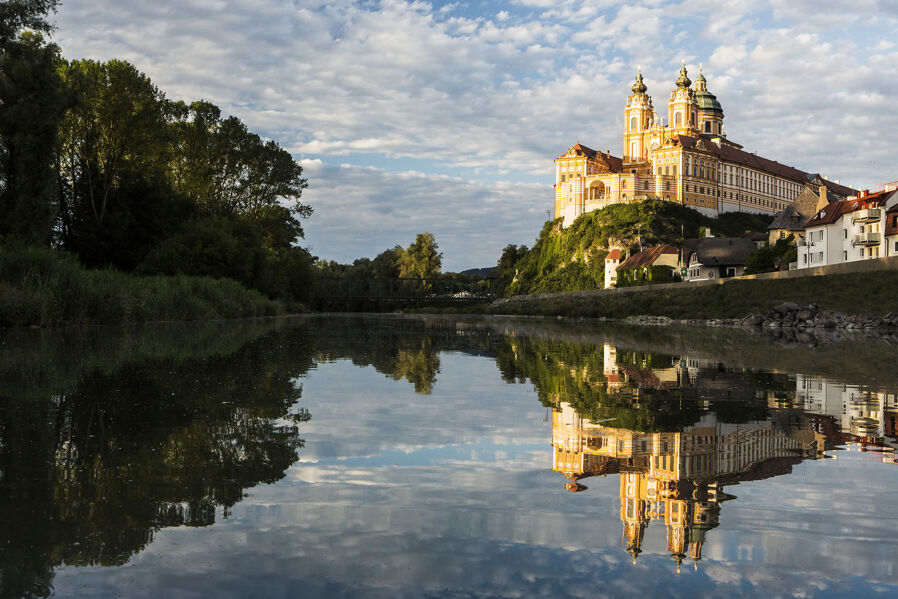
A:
<point x="707" y="102"/>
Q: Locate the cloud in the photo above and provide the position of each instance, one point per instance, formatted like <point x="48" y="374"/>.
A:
<point x="361" y="211"/>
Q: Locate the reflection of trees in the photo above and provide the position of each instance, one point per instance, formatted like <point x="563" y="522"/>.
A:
<point x="417" y="367"/>
<point x="629" y="392"/>
<point x="90" y="472"/>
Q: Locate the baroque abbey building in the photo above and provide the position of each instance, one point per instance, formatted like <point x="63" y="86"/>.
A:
<point x="689" y="160"/>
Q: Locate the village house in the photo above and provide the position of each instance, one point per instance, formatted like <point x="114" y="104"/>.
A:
<point x="809" y="202"/>
<point x="652" y="265"/>
<point x="851" y="230"/>
<point x="714" y="257"/>
<point x="611" y="262"/>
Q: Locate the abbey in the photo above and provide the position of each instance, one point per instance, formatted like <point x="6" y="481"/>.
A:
<point x="689" y="160"/>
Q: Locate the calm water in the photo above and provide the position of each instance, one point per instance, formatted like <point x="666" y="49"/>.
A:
<point x="414" y="457"/>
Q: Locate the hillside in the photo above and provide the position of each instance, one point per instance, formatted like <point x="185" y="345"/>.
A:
<point x="573" y="259"/>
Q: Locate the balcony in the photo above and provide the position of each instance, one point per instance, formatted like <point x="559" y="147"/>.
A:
<point x="866" y="239"/>
<point x="870" y="215"/>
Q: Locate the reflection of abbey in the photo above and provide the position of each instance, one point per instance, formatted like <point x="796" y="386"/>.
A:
<point x="677" y="478"/>
<point x="689" y="160"/>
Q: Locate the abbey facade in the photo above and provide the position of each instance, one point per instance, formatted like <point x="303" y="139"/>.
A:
<point x="689" y="160"/>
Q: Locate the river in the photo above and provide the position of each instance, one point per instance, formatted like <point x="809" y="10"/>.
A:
<point x="391" y="456"/>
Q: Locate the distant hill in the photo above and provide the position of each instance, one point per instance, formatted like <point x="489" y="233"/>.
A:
<point x="573" y="259"/>
<point x="481" y="273"/>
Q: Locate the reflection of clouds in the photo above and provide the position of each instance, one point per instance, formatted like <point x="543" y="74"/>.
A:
<point x="378" y="415"/>
<point x="452" y="495"/>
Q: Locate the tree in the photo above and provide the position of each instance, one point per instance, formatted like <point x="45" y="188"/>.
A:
<point x="31" y="100"/>
<point x="421" y="259"/>
<point x="115" y="128"/>
<point x="16" y="15"/>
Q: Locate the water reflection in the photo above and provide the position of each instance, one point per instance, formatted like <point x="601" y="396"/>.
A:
<point x="102" y="449"/>
<point x="733" y="426"/>
<point x="427" y="463"/>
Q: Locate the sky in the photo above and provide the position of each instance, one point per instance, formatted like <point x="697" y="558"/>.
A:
<point x="445" y="117"/>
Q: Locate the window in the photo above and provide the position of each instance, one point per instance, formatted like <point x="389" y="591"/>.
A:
<point x="645" y="184"/>
<point x="861" y="252"/>
<point x="845" y="255"/>
<point x="633" y="123"/>
<point x="707" y="126"/>
<point x="844" y="233"/>
<point x="679" y="119"/>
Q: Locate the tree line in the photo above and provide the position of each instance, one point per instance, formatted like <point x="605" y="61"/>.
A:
<point x="95" y="160"/>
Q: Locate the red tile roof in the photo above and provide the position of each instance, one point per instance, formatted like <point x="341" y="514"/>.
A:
<point x="731" y="154"/>
<point x="613" y="255"/>
<point x="614" y="163"/>
<point x="648" y="256"/>
<point x="833" y="212"/>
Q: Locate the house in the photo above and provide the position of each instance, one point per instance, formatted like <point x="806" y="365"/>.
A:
<point x="891" y="231"/>
<point x="714" y="257"/>
<point x="850" y="230"/>
<point x="611" y="262"/>
<point x="759" y="239"/>
<point x="652" y="265"/>
<point x="792" y="219"/>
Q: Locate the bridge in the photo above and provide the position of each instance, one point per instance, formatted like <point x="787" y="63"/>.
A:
<point x="439" y="290"/>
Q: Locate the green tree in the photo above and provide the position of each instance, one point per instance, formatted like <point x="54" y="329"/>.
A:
<point x="115" y="128"/>
<point x="32" y="104"/>
<point x="16" y="15"/>
<point x="421" y="259"/>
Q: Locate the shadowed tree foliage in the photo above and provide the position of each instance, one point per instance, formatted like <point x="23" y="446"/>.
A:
<point x="100" y="455"/>
<point x="31" y="97"/>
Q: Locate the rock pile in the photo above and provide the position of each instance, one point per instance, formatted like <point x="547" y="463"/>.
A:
<point x="791" y="315"/>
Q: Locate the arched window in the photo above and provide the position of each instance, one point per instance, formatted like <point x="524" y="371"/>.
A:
<point x="701" y="172"/>
<point x="633" y="123"/>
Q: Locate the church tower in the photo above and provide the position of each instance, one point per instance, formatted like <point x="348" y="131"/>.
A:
<point x="637" y="120"/>
<point x="682" y="111"/>
<point x="710" y="114"/>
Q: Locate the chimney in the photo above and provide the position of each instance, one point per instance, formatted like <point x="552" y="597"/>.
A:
<point x="865" y="193"/>
<point x="837" y="182"/>
<point x="822" y="202"/>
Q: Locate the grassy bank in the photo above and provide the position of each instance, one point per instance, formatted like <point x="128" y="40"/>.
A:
<point x="46" y="287"/>
<point x="858" y="293"/>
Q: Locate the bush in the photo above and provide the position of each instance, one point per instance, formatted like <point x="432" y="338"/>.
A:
<point x="47" y="287"/>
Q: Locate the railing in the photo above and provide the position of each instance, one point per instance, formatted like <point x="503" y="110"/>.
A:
<point x="867" y="216"/>
<point x="868" y="238"/>
<point x="441" y="289"/>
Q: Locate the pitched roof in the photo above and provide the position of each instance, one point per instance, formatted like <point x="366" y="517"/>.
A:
<point x="647" y="257"/>
<point x="613" y="255"/>
<point x="723" y="251"/>
<point x="732" y="154"/>
<point x="614" y="163"/>
<point x="834" y="211"/>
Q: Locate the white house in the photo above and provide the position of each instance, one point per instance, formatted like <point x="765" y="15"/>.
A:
<point x="850" y="230"/>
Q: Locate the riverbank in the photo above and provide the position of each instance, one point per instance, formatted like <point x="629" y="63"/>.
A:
<point x="42" y="287"/>
<point x="868" y="296"/>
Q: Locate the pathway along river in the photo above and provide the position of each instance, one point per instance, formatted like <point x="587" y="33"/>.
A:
<point x="437" y="457"/>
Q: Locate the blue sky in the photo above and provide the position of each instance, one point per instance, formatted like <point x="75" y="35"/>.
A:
<point x="445" y="117"/>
